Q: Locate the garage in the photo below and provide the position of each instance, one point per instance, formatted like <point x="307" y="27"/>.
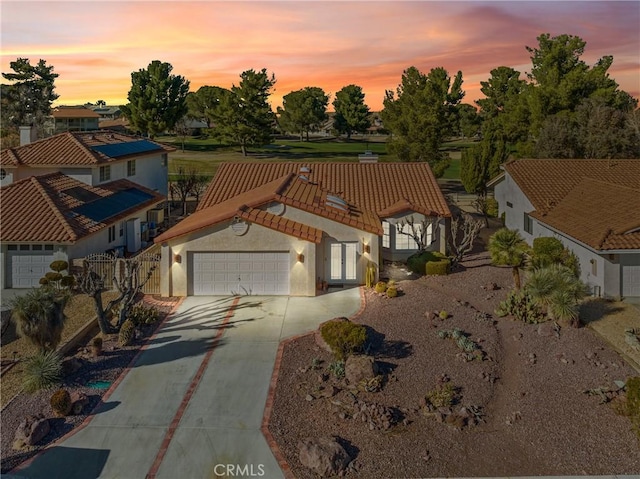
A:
<point x="27" y="267"/>
<point x="229" y="273"/>
<point x="630" y="280"/>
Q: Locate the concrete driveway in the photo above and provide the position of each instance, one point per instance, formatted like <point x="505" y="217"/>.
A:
<point x="192" y="405"/>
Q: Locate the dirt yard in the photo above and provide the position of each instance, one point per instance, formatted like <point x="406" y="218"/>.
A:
<point x="529" y="391"/>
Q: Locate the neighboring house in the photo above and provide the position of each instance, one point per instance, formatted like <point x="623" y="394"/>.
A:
<point x="53" y="216"/>
<point x="282" y="228"/>
<point x="74" y="118"/>
<point x="106" y="112"/>
<point x="592" y="206"/>
<point x="90" y="157"/>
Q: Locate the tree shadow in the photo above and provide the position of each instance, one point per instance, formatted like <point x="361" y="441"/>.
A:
<point x="178" y="350"/>
<point x="105" y="406"/>
<point x="595" y="310"/>
<point x="61" y="462"/>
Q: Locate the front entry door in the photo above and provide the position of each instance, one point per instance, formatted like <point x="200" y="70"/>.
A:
<point x="342" y="262"/>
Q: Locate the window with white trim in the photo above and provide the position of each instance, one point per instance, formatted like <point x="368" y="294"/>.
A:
<point x="386" y="236"/>
<point x="112" y="233"/>
<point x="405" y="241"/>
<point x="131" y="168"/>
<point x="105" y="173"/>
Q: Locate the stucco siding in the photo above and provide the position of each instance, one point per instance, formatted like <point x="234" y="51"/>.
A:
<point x="514" y="204"/>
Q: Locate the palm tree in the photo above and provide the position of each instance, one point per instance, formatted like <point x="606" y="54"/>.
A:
<point x="556" y="289"/>
<point x="507" y="248"/>
<point x="39" y="316"/>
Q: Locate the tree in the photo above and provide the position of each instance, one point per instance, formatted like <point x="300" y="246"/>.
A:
<point x="422" y="232"/>
<point x="507" y="248"/>
<point x="351" y="112"/>
<point x="244" y="116"/>
<point x="187" y="182"/>
<point x="420" y="114"/>
<point x="202" y="103"/>
<point x="469" y="121"/>
<point x="27" y="100"/>
<point x="157" y="99"/>
<point x="92" y="284"/>
<point x="463" y="232"/>
<point x="39" y="316"/>
<point x="303" y="110"/>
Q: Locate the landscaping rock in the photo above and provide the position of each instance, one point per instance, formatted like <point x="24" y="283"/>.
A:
<point x="324" y="456"/>
<point x="317" y="336"/>
<point x="78" y="402"/>
<point x="31" y="431"/>
<point x="359" y="367"/>
<point x="547" y="330"/>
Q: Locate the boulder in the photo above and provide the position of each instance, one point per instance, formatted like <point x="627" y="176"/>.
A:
<point x="78" y="402"/>
<point x="359" y="367"/>
<point x="31" y="431"/>
<point x="317" y="335"/>
<point x="324" y="456"/>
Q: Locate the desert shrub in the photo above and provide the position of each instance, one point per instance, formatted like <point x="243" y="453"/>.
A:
<point x="343" y="337"/>
<point x="142" y="314"/>
<point x="443" y="315"/>
<point x="444" y="395"/>
<point x="126" y="334"/>
<point x="61" y="402"/>
<point x="42" y="371"/>
<point x="381" y="287"/>
<point x="337" y="369"/>
<point x="440" y="267"/>
<point x="392" y="292"/>
<point x="417" y="261"/>
<point x="548" y="251"/>
<point x="521" y="306"/>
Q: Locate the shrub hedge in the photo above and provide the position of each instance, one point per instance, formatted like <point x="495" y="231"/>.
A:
<point x="343" y="337"/>
<point x="417" y="261"/>
<point x="438" y="267"/>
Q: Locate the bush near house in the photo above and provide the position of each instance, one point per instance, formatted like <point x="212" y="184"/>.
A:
<point x="417" y="262"/>
<point x="548" y="250"/>
<point x="440" y="267"/>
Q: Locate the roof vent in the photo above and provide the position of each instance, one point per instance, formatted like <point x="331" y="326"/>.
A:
<point x="336" y="202"/>
<point x="303" y="178"/>
<point x="305" y="169"/>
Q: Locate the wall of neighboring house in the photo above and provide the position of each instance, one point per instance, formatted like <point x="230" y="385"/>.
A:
<point x="151" y="171"/>
<point x="514" y="204"/>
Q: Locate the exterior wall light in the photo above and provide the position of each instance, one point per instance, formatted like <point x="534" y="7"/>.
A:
<point x="367" y="248"/>
<point x="177" y="258"/>
<point x="300" y="258"/>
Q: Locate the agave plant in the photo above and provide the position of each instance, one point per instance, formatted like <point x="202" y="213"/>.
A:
<point x="42" y="371"/>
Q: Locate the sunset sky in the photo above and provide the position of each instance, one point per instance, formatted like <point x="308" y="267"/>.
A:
<point x="95" y="45"/>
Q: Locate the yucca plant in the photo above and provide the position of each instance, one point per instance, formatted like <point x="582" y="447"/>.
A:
<point x="42" y="371"/>
<point x="556" y="289"/>
<point x="39" y="316"/>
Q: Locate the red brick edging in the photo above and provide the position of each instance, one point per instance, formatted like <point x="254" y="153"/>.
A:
<point x="268" y="407"/>
<point x="104" y="397"/>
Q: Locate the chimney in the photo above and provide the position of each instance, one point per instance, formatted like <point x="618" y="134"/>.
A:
<point x="28" y="134"/>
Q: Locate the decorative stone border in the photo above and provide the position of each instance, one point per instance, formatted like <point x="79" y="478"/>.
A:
<point x="268" y="407"/>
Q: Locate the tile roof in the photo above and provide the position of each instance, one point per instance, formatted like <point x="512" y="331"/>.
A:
<point x="73" y="112"/>
<point x="349" y="193"/>
<point x="76" y="149"/>
<point x="596" y="202"/>
<point x="546" y="182"/>
<point x="370" y="186"/>
<point x="57" y="208"/>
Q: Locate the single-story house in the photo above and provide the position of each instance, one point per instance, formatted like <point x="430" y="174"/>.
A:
<point x="282" y="228"/>
<point x="91" y="157"/>
<point x="592" y="206"/>
<point x="56" y="217"/>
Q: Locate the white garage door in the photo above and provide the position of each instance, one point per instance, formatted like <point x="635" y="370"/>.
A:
<point x="261" y="273"/>
<point x="631" y="280"/>
<point x="28" y="268"/>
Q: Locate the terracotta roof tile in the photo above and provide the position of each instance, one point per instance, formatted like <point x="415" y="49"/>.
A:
<point x="73" y="112"/>
<point x="73" y="149"/>
<point x="43" y="208"/>
<point x="600" y="214"/>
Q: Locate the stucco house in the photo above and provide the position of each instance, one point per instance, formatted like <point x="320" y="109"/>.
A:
<point x="74" y="118"/>
<point x="90" y="157"/>
<point x="592" y="206"/>
<point x="280" y="228"/>
<point x="56" y="217"/>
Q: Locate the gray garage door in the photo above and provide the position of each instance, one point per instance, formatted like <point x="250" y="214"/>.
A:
<point x="225" y="273"/>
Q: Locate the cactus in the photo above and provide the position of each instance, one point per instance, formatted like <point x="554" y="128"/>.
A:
<point x="125" y="337"/>
<point x="371" y="274"/>
<point x="392" y="292"/>
<point x="381" y="287"/>
<point x="61" y="402"/>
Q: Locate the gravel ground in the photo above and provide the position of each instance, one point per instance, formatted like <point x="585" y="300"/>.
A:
<point x="105" y="368"/>
<point x="538" y="420"/>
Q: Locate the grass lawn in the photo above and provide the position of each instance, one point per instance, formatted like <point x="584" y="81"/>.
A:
<point x="205" y="155"/>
